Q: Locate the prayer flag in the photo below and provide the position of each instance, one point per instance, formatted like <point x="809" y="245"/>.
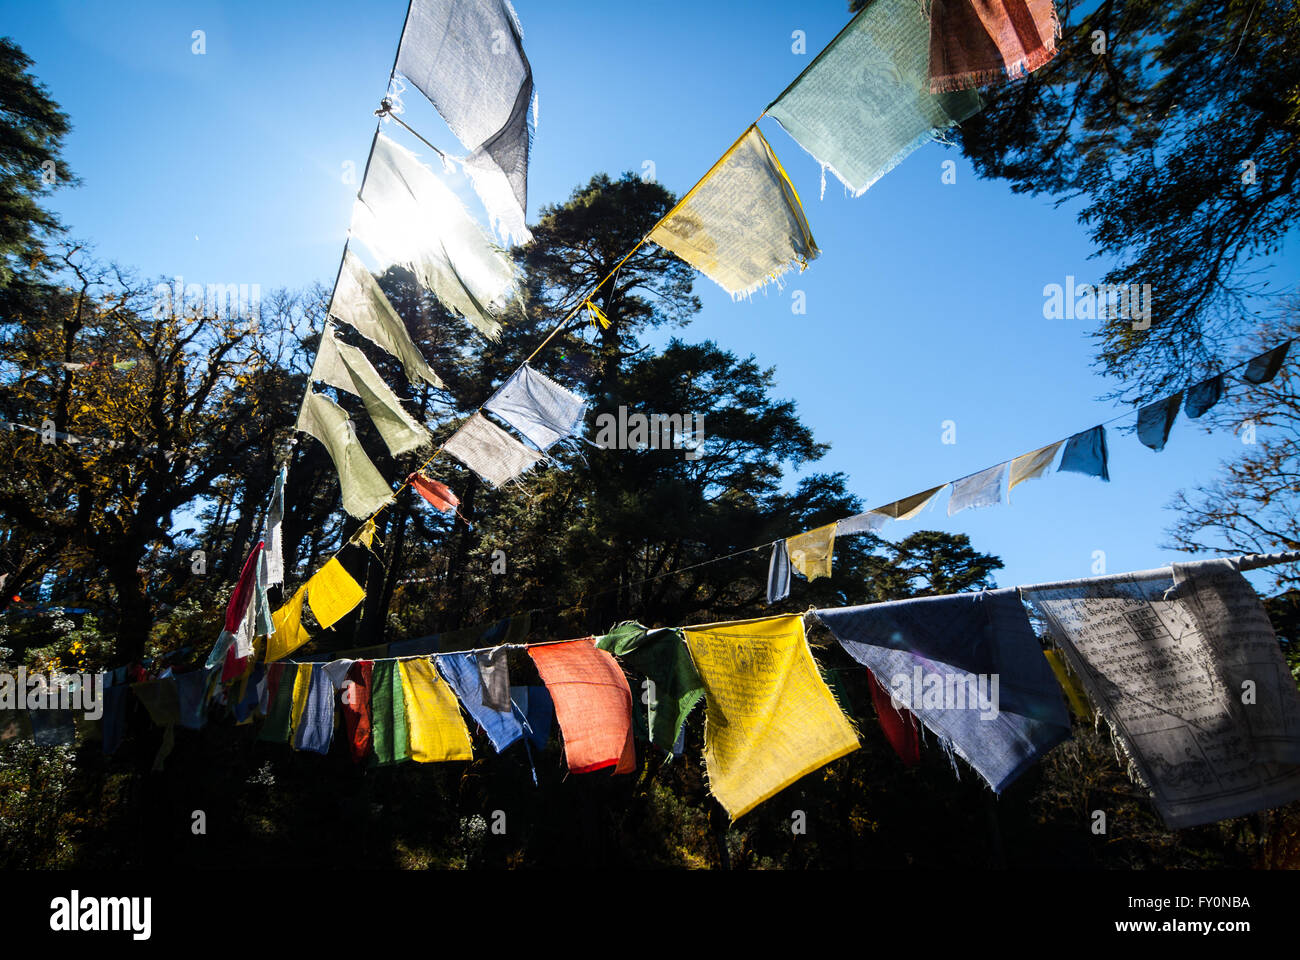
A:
<point x="869" y="522"/>
<point x="778" y="573"/>
<point x="811" y="552"/>
<point x="983" y="489"/>
<point x="364" y="488"/>
<point x="489" y="451"/>
<point x="332" y="593"/>
<point x="742" y="225"/>
<point x="438" y="494"/>
<point x="538" y="407"/>
<point x="388" y="729"/>
<point x="288" y="633"/>
<point x="1203" y="396"/>
<point x="662" y="657"/>
<point x="314" y="729"/>
<point x="356" y="708"/>
<point x="274" y="532"/>
<point x="909" y="507"/>
<point x="592" y="703"/>
<point x="898" y="725"/>
<point x="462" y="672"/>
<point x="1265" y="367"/>
<point x="978" y="42"/>
<point x="1155" y="420"/>
<point x="437" y="730"/>
<point x="1032" y="465"/>
<point x="1085" y="453"/>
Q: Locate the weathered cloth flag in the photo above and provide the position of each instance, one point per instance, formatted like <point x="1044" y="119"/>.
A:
<point x="742" y="225"/>
<point x="1265" y="367"/>
<point x="983" y="489"/>
<point x="467" y="57"/>
<point x="407" y="215"/>
<point x="332" y="593"/>
<point x="288" y="634"/>
<point x="1030" y="466"/>
<point x="592" y="703"/>
<point x="778" y="573"/>
<point x="676" y="686"/>
<point x="769" y="717"/>
<point x="436" y="728"/>
<point x="388" y="729"/>
<point x="489" y="451"/>
<point x="461" y="670"/>
<point x="437" y="493"/>
<point x="909" y="507"/>
<point x="274" y="533"/>
<point x="538" y="407"/>
<point x="1086" y="453"/>
<point x="811" y="552"/>
<point x="969" y="667"/>
<point x="1165" y="656"/>
<point x="1155" y="420"/>
<point x="865" y="103"/>
<point x="1203" y="396"/>
<point x="979" y="42"/>
<point x="364" y="488"/>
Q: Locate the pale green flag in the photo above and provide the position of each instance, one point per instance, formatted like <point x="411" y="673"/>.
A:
<point x="364" y="488"/>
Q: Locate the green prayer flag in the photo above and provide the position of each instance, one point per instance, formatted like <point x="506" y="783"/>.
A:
<point x="388" y="732"/>
<point x="276" y="727"/>
<point x="662" y="656"/>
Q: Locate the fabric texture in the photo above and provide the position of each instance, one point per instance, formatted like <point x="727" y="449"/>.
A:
<point x="489" y="451"/>
<point x="433" y="719"/>
<point x="250" y="695"/>
<point x="388" y="728"/>
<point x="769" y="718"/>
<point x="1265" y="367"/>
<point x="979" y="42"/>
<point x="778" y="573"/>
<point x="359" y="302"/>
<point x="941" y="656"/>
<point x="356" y="708"/>
<point x="494" y="672"/>
<point x="406" y="215"/>
<point x="273" y="535"/>
<point x="869" y="522"/>
<point x="298" y="706"/>
<point x="865" y="103"/>
<point x="1166" y="656"/>
<point x="332" y="593"/>
<point x="1032" y="465"/>
<point x="983" y="489"/>
<point x="346" y="368"/>
<point x="538" y="407"/>
<point x="1203" y="396"/>
<point x="1086" y="453"/>
<point x="467" y="57"/>
<point x="593" y="705"/>
<point x="661" y="656"/>
<point x="364" y="488"/>
<point x="811" y="552"/>
<point x="461" y="670"/>
<point x="897" y="723"/>
<point x="909" y="507"/>
<point x="1155" y="420"/>
<point x="315" y="726"/>
<point x="288" y="633"/>
<point x="438" y="494"/>
<point x="742" y="225"/>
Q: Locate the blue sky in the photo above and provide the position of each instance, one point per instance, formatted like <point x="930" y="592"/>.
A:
<point x="925" y="306"/>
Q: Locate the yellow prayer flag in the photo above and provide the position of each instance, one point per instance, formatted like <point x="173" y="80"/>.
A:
<point x="909" y="507"/>
<point x="289" y="633"/>
<point x="743" y="224"/>
<point x="1069" y="683"/>
<point x="301" y="685"/>
<point x="436" y="729"/>
<point x="332" y="593"/>
<point x="770" y="718"/>
<point x="811" y="552"/>
<point x="1031" y="465"/>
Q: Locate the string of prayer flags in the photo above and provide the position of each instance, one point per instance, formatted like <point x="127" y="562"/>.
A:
<point x="769" y="717"/>
<point x="1164" y="655"/>
<point x="356" y="708"/>
<point x="1074" y="694"/>
<point x="1265" y="367"/>
<point x="1203" y="396"/>
<point x="359" y="302"/>
<point x="978" y="42"/>
<point x="407" y="215"/>
<point x="811" y="552"/>
<point x="969" y="667"/>
<point x="897" y="723"/>
<point x="983" y="489"/>
<point x="315" y="728"/>
<point x="865" y="103"/>
<point x="332" y="593"/>
<point x="388" y="729"/>
<point x="742" y="225"/>
<point x="436" y="729"/>
<point x="346" y="368"/>
<point x="909" y="507"/>
<point x="593" y="705"/>
<point x="288" y="634"/>
<point x="1155" y="420"/>
<point x="538" y="407"/>
<point x="1086" y="453"/>
<point x="274" y="532"/>
<point x="489" y="451"/>
<point x="461" y="670"/>
<point x="438" y="494"/>
<point x="468" y="59"/>
<point x="364" y="488"/>
<point x="778" y="573"/>
<point x="661" y="656"/>
<point x="1032" y="465"/>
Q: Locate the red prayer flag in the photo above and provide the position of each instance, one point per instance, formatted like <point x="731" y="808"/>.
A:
<point x="356" y="708"/>
<point x="593" y="704"/>
<point x="438" y="494"/>
<point x="897" y="722"/>
<point x="243" y="595"/>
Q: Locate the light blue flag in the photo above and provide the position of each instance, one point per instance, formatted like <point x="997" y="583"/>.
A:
<point x="461" y="671"/>
<point x="538" y="407"/>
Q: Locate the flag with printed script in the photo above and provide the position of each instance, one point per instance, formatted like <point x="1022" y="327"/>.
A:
<point x="489" y="451"/>
<point x="978" y="42"/>
<point x="593" y="705"/>
<point x="346" y="368"/>
<point x="364" y="488"/>
<point x="359" y="302"/>
<point x="769" y="717"/>
<point x="865" y="103"/>
<point x="743" y="224"/>
<point x="538" y="407"/>
<point x="407" y="215"/>
<point x="467" y="57"/>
